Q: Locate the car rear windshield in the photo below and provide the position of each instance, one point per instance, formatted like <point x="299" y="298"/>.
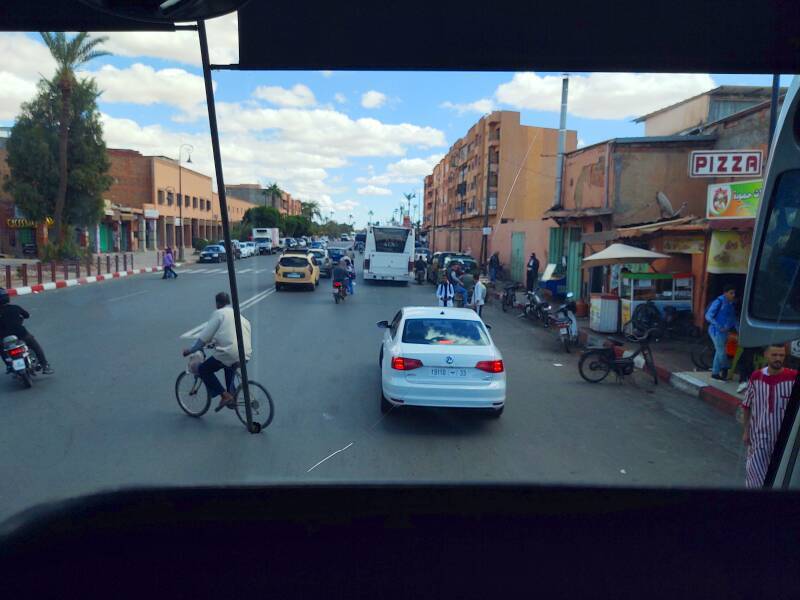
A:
<point x="390" y="239"/>
<point x="212" y="249"/>
<point x="453" y="332"/>
<point x="293" y="261"/>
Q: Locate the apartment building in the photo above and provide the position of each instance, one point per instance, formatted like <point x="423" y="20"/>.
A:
<point x="502" y="165"/>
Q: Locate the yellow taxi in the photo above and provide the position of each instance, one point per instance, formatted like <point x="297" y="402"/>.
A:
<point x="296" y="268"/>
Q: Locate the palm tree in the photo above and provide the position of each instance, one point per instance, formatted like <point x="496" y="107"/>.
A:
<point x="69" y="55"/>
<point x="274" y="190"/>
<point x="310" y="209"/>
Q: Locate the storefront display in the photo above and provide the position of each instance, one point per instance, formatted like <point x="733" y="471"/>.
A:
<point x="663" y="289"/>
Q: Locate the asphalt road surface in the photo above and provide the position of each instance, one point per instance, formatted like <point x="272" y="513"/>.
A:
<point x="108" y="417"/>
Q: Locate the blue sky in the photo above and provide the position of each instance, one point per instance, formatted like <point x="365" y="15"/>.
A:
<point x="316" y="133"/>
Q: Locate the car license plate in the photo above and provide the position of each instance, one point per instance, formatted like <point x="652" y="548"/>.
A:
<point x="448" y="372"/>
<point x="562" y="331"/>
<point x="294" y="275"/>
<point x="18" y="364"/>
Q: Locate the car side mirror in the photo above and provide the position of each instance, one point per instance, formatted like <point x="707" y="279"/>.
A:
<point x="383" y="324"/>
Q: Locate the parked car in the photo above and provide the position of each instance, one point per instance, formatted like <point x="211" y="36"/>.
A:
<point x="212" y="253"/>
<point x="436" y="263"/>
<point x="289" y="243"/>
<point x="302" y="242"/>
<point x="469" y="264"/>
<point x="323" y="261"/>
<point x="237" y="247"/>
<point x="248" y="249"/>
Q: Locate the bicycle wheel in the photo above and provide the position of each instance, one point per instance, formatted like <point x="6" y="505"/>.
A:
<point x="192" y="395"/>
<point x="594" y="366"/>
<point x="703" y="356"/>
<point x="650" y="363"/>
<point x="261" y="406"/>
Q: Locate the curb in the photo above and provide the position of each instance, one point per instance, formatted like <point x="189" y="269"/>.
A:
<point x="66" y="283"/>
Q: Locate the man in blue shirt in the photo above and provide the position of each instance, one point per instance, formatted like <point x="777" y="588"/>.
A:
<point x="721" y="316"/>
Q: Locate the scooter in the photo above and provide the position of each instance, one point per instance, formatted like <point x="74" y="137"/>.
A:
<point x="537" y="307"/>
<point x="420" y="274"/>
<point x="339" y="291"/>
<point x="19" y="360"/>
<point x="563" y="319"/>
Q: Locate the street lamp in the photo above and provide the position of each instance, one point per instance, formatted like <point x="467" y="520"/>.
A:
<point x="189" y="150"/>
<point x="370" y="213"/>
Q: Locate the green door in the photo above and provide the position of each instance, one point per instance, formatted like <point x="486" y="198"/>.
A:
<point x="517" y="255"/>
<point x="574" y="257"/>
<point x="556" y="247"/>
<point x="106" y="238"/>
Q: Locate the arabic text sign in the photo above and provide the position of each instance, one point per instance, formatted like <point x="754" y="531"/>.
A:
<point x="737" y="200"/>
<point x="722" y="163"/>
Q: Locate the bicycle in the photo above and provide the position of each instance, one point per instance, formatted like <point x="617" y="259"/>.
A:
<point x="189" y="388"/>
<point x="597" y="363"/>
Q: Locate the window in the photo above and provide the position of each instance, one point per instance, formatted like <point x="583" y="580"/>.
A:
<point x="161" y="196"/>
<point x="390" y="239"/>
<point x="294" y="262"/>
<point x="194" y="201"/>
<point x="395" y="324"/>
<point x="492" y="179"/>
<point x="180" y="199"/>
<point x="451" y="332"/>
<point x="208" y="204"/>
<point x="170" y="198"/>
<point x="186" y="201"/>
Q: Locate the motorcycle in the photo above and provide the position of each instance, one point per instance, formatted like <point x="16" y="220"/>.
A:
<point x="537" y="307"/>
<point x="563" y="319"/>
<point x="509" y="296"/>
<point x="19" y="360"/>
<point x="420" y="275"/>
<point x="339" y="291"/>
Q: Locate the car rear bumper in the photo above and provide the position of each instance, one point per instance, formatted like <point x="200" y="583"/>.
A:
<point x="377" y="277"/>
<point x="398" y="391"/>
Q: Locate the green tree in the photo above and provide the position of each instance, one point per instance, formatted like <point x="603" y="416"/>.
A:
<point x="297" y="225"/>
<point x="262" y="216"/>
<point x="274" y="191"/>
<point x="310" y="209"/>
<point x="34" y="155"/>
<point x="69" y="54"/>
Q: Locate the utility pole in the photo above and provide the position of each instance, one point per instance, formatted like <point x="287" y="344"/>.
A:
<point x="433" y="235"/>
<point x="189" y="149"/>
<point x="485" y="238"/>
<point x="562" y="139"/>
<point x="461" y="220"/>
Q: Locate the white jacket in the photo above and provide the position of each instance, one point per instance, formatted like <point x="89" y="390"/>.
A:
<point x="479" y="294"/>
<point x="221" y="330"/>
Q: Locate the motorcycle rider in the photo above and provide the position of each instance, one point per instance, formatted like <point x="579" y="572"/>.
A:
<point x="419" y="267"/>
<point x="339" y="274"/>
<point x="454" y="276"/>
<point x="11" y="318"/>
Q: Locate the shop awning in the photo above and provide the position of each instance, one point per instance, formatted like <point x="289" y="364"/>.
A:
<point x="617" y="254"/>
<point x="578" y="213"/>
<point x="679" y="224"/>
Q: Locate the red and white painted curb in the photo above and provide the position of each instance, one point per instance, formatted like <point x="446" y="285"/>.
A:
<point x="56" y="285"/>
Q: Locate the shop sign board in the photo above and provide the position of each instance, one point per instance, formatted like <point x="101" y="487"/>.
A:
<point x="725" y="163"/>
<point x="738" y="200"/>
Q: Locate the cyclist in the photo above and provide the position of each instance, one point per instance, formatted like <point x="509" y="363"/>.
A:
<point x="221" y="331"/>
<point x="11" y="318"/>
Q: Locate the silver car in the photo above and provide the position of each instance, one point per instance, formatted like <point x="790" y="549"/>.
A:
<point x="323" y="260"/>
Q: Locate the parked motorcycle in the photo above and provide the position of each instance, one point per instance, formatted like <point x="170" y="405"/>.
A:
<point x="339" y="291"/>
<point x="537" y="307"/>
<point x="564" y="320"/>
<point x="509" y="296"/>
<point x="20" y="361"/>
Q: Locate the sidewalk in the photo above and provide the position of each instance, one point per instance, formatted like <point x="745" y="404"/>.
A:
<point x="673" y="364"/>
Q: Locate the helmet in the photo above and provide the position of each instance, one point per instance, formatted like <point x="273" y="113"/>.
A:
<point x="4" y="298"/>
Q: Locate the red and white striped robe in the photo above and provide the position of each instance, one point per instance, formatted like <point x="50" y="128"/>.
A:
<point x="767" y="396"/>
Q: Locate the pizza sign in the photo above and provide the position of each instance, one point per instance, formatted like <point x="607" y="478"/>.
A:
<point x="723" y="163"/>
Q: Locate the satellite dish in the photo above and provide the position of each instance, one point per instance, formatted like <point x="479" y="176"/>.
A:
<point x="166" y="11"/>
<point x="665" y="205"/>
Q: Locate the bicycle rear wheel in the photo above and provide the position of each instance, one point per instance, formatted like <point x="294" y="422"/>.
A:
<point x="261" y="405"/>
<point x="192" y="395"/>
<point x="594" y="366"/>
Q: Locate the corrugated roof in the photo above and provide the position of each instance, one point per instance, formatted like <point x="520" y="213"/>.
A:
<point x="653" y="139"/>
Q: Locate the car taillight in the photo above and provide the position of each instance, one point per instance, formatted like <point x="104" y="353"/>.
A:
<point x="366" y="264"/>
<point x="491" y="366"/>
<point x="405" y="364"/>
<point x="16" y="352"/>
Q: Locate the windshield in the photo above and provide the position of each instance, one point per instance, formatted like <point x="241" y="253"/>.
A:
<point x="390" y="239"/>
<point x="444" y="332"/>
<point x="468" y="163"/>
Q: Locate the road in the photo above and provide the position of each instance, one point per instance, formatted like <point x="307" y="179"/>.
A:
<point x="108" y="417"/>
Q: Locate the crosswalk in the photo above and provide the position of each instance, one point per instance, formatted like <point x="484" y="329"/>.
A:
<point x="218" y="270"/>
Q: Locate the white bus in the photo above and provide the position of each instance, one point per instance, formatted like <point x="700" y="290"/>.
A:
<point x="389" y="254"/>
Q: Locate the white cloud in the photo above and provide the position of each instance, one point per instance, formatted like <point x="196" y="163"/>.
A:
<point x="340" y="98"/>
<point x="373" y="99"/>
<point x="345" y="205"/>
<point x="142" y="84"/>
<point x="603" y="95"/>
<point x="326" y="73"/>
<point x="373" y="190"/>
<point x="24" y="61"/>
<point x="181" y="46"/>
<point x="482" y="106"/>
<point x="299" y="96"/>
<point x="406" y="170"/>
<point x="14" y="90"/>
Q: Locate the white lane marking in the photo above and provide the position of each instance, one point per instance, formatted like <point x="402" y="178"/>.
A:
<point x="331" y="455"/>
<point x="244" y="271"/>
<point x="242" y="305"/>
<point x="126" y="296"/>
<point x="260" y="270"/>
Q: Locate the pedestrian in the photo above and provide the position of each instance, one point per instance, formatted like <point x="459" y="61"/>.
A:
<point x="764" y="405"/>
<point x="533" y="272"/>
<point x="721" y="316"/>
<point x="479" y="297"/>
<point x="445" y="293"/>
<point x="494" y="265"/>
<point x="351" y="276"/>
<point x="221" y="330"/>
<point x="169" y="264"/>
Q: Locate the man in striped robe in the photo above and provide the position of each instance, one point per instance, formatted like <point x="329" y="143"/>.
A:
<point x="764" y="405"/>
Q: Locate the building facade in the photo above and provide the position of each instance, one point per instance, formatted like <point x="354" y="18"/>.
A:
<point x="501" y="166"/>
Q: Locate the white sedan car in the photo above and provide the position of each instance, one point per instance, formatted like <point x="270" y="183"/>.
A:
<point x="442" y="357"/>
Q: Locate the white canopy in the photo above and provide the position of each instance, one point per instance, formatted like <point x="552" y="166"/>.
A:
<point x="617" y="254"/>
